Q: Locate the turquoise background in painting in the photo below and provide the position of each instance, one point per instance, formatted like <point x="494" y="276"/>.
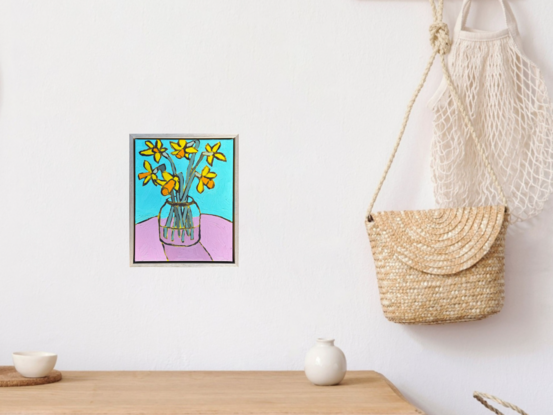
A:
<point x="216" y="201"/>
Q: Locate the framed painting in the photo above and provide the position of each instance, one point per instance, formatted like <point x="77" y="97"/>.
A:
<point x="183" y="199"/>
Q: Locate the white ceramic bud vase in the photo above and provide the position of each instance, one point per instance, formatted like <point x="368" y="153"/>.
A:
<point x="325" y="364"/>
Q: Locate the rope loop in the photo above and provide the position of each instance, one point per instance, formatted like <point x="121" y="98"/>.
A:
<point x="439" y="38"/>
<point x="481" y="397"/>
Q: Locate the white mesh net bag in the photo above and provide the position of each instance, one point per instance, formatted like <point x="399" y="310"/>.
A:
<point x="508" y="103"/>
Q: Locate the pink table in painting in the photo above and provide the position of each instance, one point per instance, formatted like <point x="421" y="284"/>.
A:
<point x="215" y="242"/>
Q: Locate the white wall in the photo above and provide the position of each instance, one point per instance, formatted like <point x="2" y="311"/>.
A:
<point x="316" y="89"/>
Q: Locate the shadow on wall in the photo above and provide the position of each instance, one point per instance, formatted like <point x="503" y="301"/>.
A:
<point x="528" y="261"/>
<point x="1" y="91"/>
<point x="533" y="46"/>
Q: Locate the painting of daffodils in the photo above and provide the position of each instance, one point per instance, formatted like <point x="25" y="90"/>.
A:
<point x="182" y="199"/>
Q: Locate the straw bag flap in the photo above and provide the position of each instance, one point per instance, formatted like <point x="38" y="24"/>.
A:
<point x="439" y="241"/>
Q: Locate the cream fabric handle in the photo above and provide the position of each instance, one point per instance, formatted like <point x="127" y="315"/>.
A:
<point x="507" y="11"/>
<point x="441" y="44"/>
<point x="481" y="397"/>
<point x="510" y="19"/>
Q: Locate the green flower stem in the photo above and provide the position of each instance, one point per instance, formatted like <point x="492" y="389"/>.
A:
<point x="173" y="212"/>
<point x="192" y="177"/>
<point x="181" y="188"/>
<point x="175" y="173"/>
<point x="186" y="231"/>
<point x="178" y="217"/>
<point x="190" y="222"/>
<point x="167" y="222"/>
<point x="191" y="160"/>
<point x="168" y="157"/>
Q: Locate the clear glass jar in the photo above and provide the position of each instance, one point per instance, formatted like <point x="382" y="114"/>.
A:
<point x="179" y="223"/>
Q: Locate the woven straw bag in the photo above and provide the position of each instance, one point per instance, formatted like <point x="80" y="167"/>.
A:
<point x="482" y="397"/>
<point x="443" y="265"/>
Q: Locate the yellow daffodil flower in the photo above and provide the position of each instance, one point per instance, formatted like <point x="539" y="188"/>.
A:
<point x="183" y="149"/>
<point x="148" y="175"/>
<point x="206" y="179"/>
<point x="214" y="153"/>
<point x="154" y="150"/>
<point x="168" y="183"/>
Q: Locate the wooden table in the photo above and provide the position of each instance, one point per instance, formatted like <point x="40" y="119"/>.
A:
<point x="210" y="393"/>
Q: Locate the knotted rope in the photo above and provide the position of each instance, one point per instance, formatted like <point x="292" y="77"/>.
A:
<point x="441" y="45"/>
<point x="439" y="38"/>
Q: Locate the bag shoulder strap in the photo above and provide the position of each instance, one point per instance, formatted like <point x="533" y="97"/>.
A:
<point x="441" y="45"/>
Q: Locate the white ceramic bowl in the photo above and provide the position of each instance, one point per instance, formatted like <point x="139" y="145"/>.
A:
<point x="34" y="364"/>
